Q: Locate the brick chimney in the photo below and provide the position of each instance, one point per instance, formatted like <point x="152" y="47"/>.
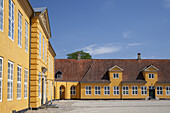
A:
<point x="139" y="56"/>
<point x="79" y="56"/>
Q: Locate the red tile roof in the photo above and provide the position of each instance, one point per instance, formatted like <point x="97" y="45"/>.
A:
<point x="96" y="70"/>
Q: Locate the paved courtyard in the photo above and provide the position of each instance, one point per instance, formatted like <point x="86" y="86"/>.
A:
<point x="108" y="106"/>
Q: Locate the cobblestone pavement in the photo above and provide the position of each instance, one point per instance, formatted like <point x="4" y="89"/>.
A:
<point x="108" y="106"/>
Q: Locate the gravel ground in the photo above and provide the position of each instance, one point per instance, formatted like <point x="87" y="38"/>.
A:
<point x="108" y="106"/>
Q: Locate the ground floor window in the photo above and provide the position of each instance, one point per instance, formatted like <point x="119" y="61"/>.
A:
<point x="73" y="90"/>
<point x="88" y="90"/>
<point x="143" y="90"/>
<point x="159" y="90"/>
<point x="19" y="69"/>
<point x="134" y="90"/>
<point x="125" y="90"/>
<point x="167" y="90"/>
<point x="25" y="83"/>
<point x="97" y="90"/>
<point x="116" y="90"/>
<point x="106" y="90"/>
<point x="1" y="69"/>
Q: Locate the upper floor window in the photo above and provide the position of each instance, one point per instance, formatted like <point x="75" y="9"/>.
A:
<point x="26" y="36"/>
<point x="151" y="75"/>
<point x="19" y="29"/>
<point x="45" y="52"/>
<point x="58" y="75"/>
<point x="19" y="71"/>
<point x="167" y="90"/>
<point x="73" y="90"/>
<point x="97" y="90"/>
<point x="116" y="90"/>
<point x="1" y="14"/>
<point x="40" y="44"/>
<point x="43" y="48"/>
<point x="106" y="90"/>
<point x="134" y="90"/>
<point x="115" y="75"/>
<point x="88" y="90"/>
<point x="125" y="90"/>
<point x="11" y="20"/>
<point x="159" y="90"/>
<point x="143" y="90"/>
<point x="1" y="69"/>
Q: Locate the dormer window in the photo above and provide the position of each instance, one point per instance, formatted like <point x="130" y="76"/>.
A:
<point x="151" y="75"/>
<point x="58" y="75"/>
<point x="115" y="75"/>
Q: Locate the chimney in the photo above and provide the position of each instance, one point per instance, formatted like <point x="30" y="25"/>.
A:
<point x="139" y="56"/>
<point x="79" y="56"/>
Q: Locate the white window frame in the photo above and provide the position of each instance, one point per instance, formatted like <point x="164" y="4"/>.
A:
<point x="26" y="36"/>
<point x="167" y="90"/>
<point x="19" y="82"/>
<point x="10" y="81"/>
<point x="1" y="72"/>
<point x="11" y="20"/>
<point x="39" y="85"/>
<point x="40" y="44"/>
<point x="19" y="29"/>
<point x="97" y="90"/>
<point x="134" y="90"/>
<point x="43" y="48"/>
<point x="2" y="16"/>
<point x="159" y="91"/>
<point x="106" y="90"/>
<point x="115" y="75"/>
<point x="124" y="90"/>
<point x="45" y="52"/>
<point x="116" y="90"/>
<point x="73" y="90"/>
<point x="25" y="84"/>
<point x="143" y="90"/>
<point x="88" y="90"/>
<point x="151" y="75"/>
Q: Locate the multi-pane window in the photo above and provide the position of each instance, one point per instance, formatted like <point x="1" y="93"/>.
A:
<point x="19" y="29"/>
<point x="134" y="90"/>
<point x="25" y="83"/>
<point x="58" y="76"/>
<point x="1" y="14"/>
<point x="43" y="48"/>
<point x="88" y="90"/>
<point x="26" y="36"/>
<point x="40" y="44"/>
<point x="151" y="75"/>
<point x="39" y="85"/>
<point x="143" y="90"/>
<point x="19" y="70"/>
<point x="125" y="90"/>
<point x="45" y="52"/>
<point x="115" y="75"/>
<point x="159" y="90"/>
<point x="97" y="90"/>
<point x="106" y="90"/>
<point x="10" y="80"/>
<point x="73" y="90"/>
<point x="1" y="69"/>
<point x="11" y="20"/>
<point x="116" y="90"/>
<point x="167" y="90"/>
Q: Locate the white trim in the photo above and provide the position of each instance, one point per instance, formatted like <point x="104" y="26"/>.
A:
<point x="143" y="87"/>
<point x="12" y="21"/>
<point x="2" y="30"/>
<point x="158" y="90"/>
<point x="146" y="68"/>
<point x="26" y="36"/>
<point x="88" y="89"/>
<point x="1" y="79"/>
<point x="152" y="77"/>
<point x="98" y="90"/>
<point x="40" y="35"/>
<point x="19" y="29"/>
<point x="106" y="90"/>
<point x="115" y="67"/>
<point x="168" y="90"/>
<point x="25" y="83"/>
<point x="134" y="90"/>
<point x="115" y="75"/>
<point x="73" y="90"/>
<point x="125" y="90"/>
<point x="19" y="82"/>
<point x="115" y="90"/>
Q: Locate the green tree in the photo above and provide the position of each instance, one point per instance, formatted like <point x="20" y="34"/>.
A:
<point x="83" y="55"/>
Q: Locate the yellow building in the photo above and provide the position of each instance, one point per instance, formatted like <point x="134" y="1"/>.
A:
<point x="42" y="60"/>
<point x="14" y="54"/>
<point x="112" y="79"/>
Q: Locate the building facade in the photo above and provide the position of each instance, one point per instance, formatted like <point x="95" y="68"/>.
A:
<point x="112" y="79"/>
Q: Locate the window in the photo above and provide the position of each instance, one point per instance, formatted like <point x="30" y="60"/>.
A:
<point x="19" y="68"/>
<point x="19" y="29"/>
<point x="167" y="90"/>
<point x="45" y="52"/>
<point x="151" y="75"/>
<point x="58" y="75"/>
<point x="97" y="90"/>
<point x="10" y="80"/>
<point x="1" y="14"/>
<point x="106" y="90"/>
<point x="11" y="20"/>
<point x="125" y="90"/>
<point x="143" y="90"/>
<point x="115" y="90"/>
<point x="159" y="90"/>
<point x="25" y="83"/>
<point x="43" y="48"/>
<point x="115" y="75"/>
<point x="39" y="85"/>
<point x="88" y="90"/>
<point x="26" y="36"/>
<point x="73" y="90"/>
<point x="134" y="90"/>
<point x="1" y="69"/>
<point x="40" y="44"/>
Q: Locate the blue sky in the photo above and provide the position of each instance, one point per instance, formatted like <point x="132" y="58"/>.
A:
<point x="110" y="29"/>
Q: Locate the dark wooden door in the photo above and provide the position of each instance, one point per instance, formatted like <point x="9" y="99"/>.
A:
<point x="152" y="93"/>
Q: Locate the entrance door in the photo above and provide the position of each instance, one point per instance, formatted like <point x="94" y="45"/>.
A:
<point x="42" y="97"/>
<point x="62" y="92"/>
<point x="151" y="92"/>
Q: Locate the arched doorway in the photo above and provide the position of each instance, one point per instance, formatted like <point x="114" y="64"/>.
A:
<point x="73" y="92"/>
<point x="62" y="92"/>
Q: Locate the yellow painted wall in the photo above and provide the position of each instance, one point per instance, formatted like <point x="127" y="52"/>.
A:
<point x="164" y="91"/>
<point x="10" y="51"/>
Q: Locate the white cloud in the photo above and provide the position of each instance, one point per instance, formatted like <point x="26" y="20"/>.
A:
<point x="101" y="49"/>
<point x="133" y="44"/>
<point x="166" y="4"/>
<point x="126" y="34"/>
